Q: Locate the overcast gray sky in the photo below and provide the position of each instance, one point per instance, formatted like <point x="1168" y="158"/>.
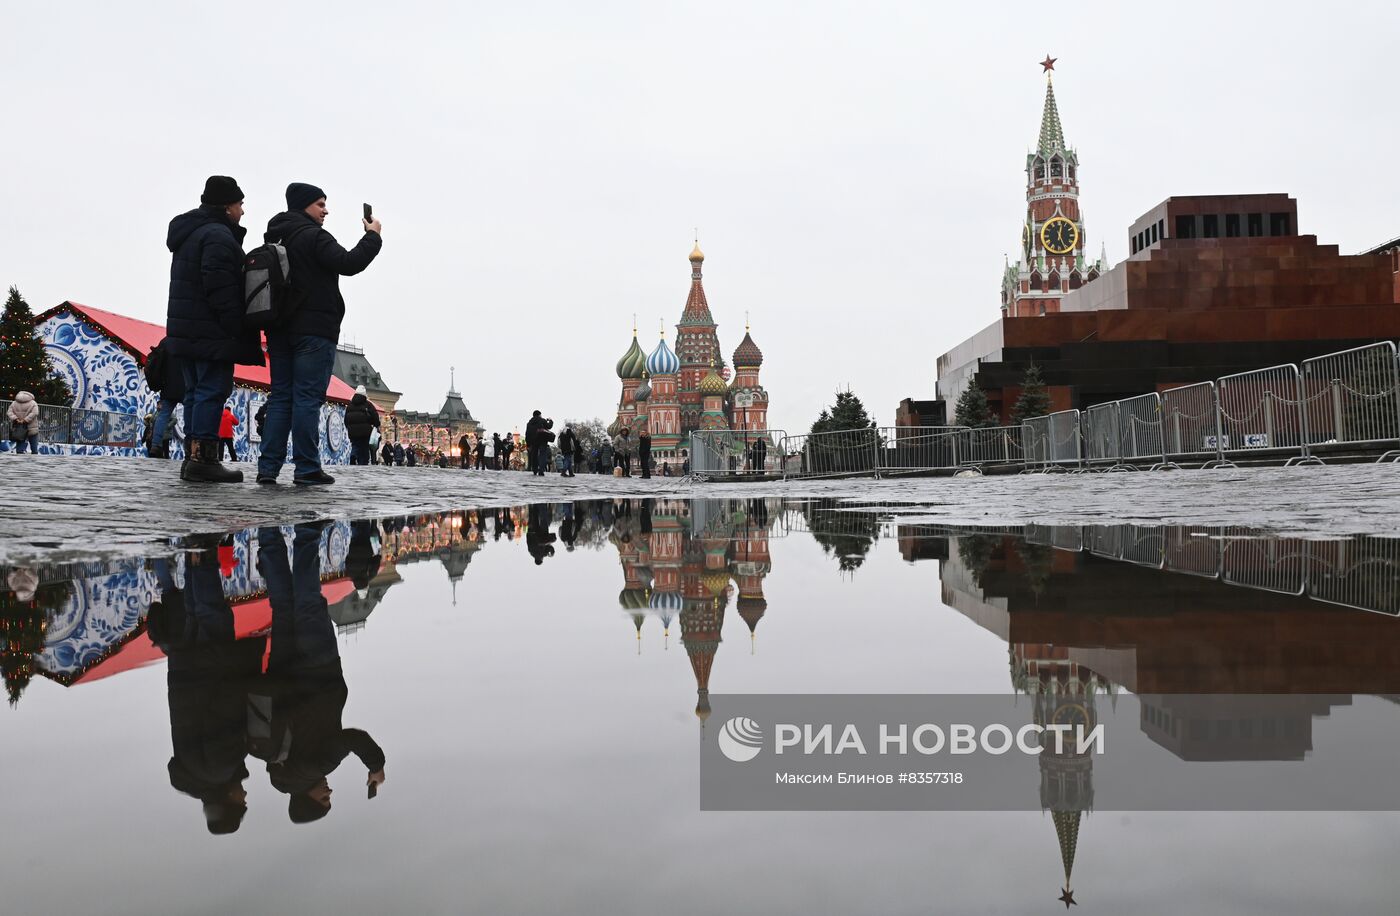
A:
<point x="855" y="169"/>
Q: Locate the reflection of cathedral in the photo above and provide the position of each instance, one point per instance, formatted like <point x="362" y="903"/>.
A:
<point x="678" y="560"/>
<point x="671" y="394"/>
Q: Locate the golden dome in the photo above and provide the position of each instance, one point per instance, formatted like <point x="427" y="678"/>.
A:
<point x="712" y="383"/>
<point x="696" y="255"/>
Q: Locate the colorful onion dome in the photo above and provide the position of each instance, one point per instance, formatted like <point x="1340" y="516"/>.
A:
<point x="716" y="582"/>
<point x="696" y="255"/>
<point x="633" y="362"/>
<point x="632" y="599"/>
<point x="667" y="601"/>
<point x="712" y="383"/>
<point x="643" y="391"/>
<point x="747" y="355"/>
<point x="663" y="360"/>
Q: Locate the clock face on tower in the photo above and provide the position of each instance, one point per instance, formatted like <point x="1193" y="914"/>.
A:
<point x="1059" y="235"/>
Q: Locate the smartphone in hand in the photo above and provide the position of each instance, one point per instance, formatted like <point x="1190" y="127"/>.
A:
<point x="369" y="215"/>
<point x="373" y="789"/>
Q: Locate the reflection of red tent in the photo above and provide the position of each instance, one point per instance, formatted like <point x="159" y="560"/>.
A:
<point x="250" y="618"/>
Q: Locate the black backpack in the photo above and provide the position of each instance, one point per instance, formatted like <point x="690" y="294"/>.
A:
<point x="157" y="365"/>
<point x="269" y="298"/>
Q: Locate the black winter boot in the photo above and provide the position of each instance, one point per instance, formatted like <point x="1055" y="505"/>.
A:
<point x="206" y="468"/>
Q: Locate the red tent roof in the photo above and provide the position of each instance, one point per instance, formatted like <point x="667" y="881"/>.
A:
<point x="137" y="337"/>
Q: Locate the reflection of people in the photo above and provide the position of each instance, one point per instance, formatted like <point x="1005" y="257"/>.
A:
<point x="208" y="677"/>
<point x="538" y="538"/>
<point x="362" y="557"/>
<point x="306" y="741"/>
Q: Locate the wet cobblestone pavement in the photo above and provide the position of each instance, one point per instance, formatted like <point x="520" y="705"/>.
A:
<point x="71" y="508"/>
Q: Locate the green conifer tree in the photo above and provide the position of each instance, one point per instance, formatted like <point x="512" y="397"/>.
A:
<point x="1034" y="400"/>
<point x="23" y="364"/>
<point x="973" y="410"/>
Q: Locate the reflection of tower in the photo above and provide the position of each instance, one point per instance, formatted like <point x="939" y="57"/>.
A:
<point x="1064" y="694"/>
<point x="752" y="563"/>
<point x="702" y="614"/>
<point x="667" y="543"/>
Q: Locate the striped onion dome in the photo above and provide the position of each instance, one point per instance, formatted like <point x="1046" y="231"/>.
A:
<point x="713" y="383"/>
<point x="633" y="362"/>
<point x="663" y="361"/>
<point x="666" y="601"/>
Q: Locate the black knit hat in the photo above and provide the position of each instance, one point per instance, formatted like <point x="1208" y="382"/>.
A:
<point x="301" y="195"/>
<point x="220" y="191"/>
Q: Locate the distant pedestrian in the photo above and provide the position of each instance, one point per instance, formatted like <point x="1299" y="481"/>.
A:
<point x="226" y="424"/>
<point x="622" y="451"/>
<point x="398" y="454"/>
<point x="204" y="320"/>
<point x="386" y="454"/>
<point x="464" y="451"/>
<point x="495" y="451"/>
<point x="480" y="450"/>
<point x="411" y="458"/>
<point x="567" y="443"/>
<point x="361" y="422"/>
<point x="301" y="351"/>
<point x="644" y="452"/>
<point x="665" y="469"/>
<point x="488" y="451"/>
<point x="578" y="454"/>
<point x="24" y="422"/>
<point x="507" y="446"/>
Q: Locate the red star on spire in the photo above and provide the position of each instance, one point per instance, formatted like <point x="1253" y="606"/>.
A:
<point x="1049" y="63"/>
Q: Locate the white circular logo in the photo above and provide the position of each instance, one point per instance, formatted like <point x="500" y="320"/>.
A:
<point x="741" y="739"/>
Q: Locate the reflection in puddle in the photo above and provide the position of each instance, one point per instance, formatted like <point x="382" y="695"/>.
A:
<point x="1237" y="644"/>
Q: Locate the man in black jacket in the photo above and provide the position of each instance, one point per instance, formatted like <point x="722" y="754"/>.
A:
<point x="204" y="320"/>
<point x="361" y="419"/>
<point x="568" y="444"/>
<point x="302" y="350"/>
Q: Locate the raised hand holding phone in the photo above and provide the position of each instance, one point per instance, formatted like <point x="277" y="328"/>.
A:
<point x="371" y="224"/>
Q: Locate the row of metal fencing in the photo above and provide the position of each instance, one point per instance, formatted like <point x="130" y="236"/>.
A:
<point x="78" y="426"/>
<point x="1357" y="572"/>
<point x="1347" y="402"/>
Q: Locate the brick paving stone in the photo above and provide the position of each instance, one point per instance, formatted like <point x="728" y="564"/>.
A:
<point x="60" y="509"/>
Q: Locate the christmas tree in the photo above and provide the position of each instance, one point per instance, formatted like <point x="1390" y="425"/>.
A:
<point x="23" y="364"/>
<point x="847" y="413"/>
<point x="1034" y="401"/>
<point x="24" y="618"/>
<point x="973" y="410"/>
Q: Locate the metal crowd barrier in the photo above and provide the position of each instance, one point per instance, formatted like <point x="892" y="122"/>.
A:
<point x="918" y="448"/>
<point x="835" y="454"/>
<point x="735" y="453"/>
<point x="1261" y="411"/>
<point x="990" y="445"/>
<point x="1191" y="422"/>
<point x="1352" y="397"/>
<point x="79" y="426"/>
<point x="1101" y="433"/>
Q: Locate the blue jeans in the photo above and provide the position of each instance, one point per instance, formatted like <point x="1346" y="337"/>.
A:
<point x="566" y="464"/>
<point x="207" y="386"/>
<point x="359" y="451"/>
<point x="303" y="635"/>
<point x="165" y="409"/>
<point x="31" y="440"/>
<point x="300" y="366"/>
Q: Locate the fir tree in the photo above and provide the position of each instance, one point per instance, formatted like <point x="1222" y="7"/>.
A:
<point x="847" y="413"/>
<point x="1034" y="401"/>
<point x="23" y="364"/>
<point x="973" y="410"/>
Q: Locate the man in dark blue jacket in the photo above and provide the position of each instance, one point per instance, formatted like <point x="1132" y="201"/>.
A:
<point x="204" y="320"/>
<point x="302" y="350"/>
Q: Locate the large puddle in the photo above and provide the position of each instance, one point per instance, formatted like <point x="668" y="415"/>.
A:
<point x="500" y="710"/>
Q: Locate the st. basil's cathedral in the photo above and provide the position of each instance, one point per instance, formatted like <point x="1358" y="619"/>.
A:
<point x="673" y="393"/>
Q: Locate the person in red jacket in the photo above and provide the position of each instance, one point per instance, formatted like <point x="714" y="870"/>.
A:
<point x="226" y="424"/>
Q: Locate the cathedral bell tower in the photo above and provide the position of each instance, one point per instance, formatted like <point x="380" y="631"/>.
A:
<point x="1053" y="240"/>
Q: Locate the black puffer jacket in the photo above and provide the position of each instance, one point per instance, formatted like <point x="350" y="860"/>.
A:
<point x="204" y="319"/>
<point x="360" y="418"/>
<point x="318" y="263"/>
